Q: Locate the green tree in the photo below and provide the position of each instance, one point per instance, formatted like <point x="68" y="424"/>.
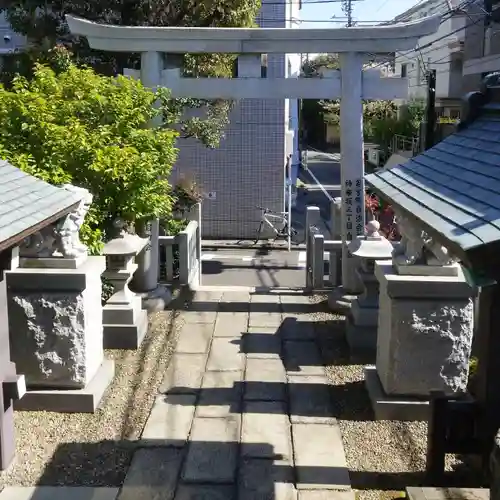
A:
<point x="44" y="23"/>
<point x="89" y="130"/>
<point x="312" y="67"/>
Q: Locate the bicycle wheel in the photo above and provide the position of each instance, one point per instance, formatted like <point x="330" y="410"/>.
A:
<point x="259" y="231"/>
<point x="298" y="235"/>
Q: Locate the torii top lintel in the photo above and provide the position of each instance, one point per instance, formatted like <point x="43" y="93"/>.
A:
<point x="373" y="39"/>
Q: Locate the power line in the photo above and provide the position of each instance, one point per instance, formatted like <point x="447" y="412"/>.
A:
<point x="310" y="2"/>
<point x="430" y="44"/>
<point x="383" y="4"/>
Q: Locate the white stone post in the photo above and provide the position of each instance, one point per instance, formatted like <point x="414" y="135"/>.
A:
<point x="146" y="276"/>
<point x="352" y="162"/>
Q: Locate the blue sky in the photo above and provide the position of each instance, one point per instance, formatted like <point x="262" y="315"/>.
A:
<point x="364" y="10"/>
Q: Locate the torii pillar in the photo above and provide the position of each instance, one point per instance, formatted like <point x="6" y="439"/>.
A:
<point x="351" y="84"/>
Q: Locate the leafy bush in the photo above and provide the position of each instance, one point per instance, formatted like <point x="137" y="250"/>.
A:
<point x="89" y="130"/>
<point x="186" y="193"/>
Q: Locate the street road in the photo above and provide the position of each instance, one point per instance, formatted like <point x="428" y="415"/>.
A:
<point x="253" y="267"/>
<point x="325" y="167"/>
<point x="259" y="267"/>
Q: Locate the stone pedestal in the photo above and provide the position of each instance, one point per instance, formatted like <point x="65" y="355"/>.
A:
<point x="56" y="335"/>
<point x="362" y="320"/>
<point x="125" y="322"/>
<point x="10" y="382"/>
<point x="425" y="330"/>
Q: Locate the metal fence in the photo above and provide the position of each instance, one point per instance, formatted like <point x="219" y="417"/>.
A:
<point x="402" y="143"/>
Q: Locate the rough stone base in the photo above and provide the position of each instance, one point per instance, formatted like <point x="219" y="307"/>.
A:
<point x="339" y="300"/>
<point x="84" y="400"/>
<point x="126" y="336"/>
<point x="364" y="315"/>
<point x="388" y="407"/>
<point x="417" y="493"/>
<point x="58" y="493"/>
<point x="156" y="300"/>
<point x="361" y="339"/>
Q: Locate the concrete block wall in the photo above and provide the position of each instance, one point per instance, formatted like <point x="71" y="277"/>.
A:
<point x="249" y="166"/>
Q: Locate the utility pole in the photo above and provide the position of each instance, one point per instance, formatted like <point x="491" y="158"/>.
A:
<point x="347" y="8"/>
<point x="430" y="119"/>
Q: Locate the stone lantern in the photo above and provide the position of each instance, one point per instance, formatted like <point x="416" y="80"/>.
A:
<point x="362" y="320"/>
<point x="125" y="322"/>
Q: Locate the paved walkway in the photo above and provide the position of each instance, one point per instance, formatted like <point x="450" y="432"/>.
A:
<point x="244" y="412"/>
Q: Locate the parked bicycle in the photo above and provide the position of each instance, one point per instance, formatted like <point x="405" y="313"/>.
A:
<point x="278" y="222"/>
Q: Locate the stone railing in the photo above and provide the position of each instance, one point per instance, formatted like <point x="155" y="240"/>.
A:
<point x="180" y="255"/>
<point x="316" y="248"/>
<point x="181" y="258"/>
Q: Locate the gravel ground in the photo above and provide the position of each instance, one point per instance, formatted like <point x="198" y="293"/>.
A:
<point x="95" y="449"/>
<point x="384" y="457"/>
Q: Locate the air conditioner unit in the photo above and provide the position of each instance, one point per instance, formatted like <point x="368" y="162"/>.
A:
<point x="374" y="156"/>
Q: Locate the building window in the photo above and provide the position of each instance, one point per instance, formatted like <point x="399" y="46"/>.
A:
<point x="404" y="70"/>
<point x="263" y="66"/>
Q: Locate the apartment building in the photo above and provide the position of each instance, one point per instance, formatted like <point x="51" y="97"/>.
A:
<point x="482" y="42"/>
<point x="248" y="168"/>
<point x="10" y="41"/>
<point x="443" y="52"/>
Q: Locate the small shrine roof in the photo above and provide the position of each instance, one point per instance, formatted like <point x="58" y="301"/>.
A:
<point x="453" y="189"/>
<point x="27" y="204"/>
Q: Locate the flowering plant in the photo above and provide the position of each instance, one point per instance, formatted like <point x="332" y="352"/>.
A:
<point x="384" y="214"/>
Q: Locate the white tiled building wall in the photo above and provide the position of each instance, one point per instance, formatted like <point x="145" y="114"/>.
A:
<point x="248" y="168"/>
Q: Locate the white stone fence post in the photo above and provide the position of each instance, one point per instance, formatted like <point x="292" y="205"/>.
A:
<point x="316" y="247"/>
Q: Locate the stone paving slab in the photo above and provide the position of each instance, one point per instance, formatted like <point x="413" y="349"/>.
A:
<point x="170" y="421"/>
<point x="213" y="451"/>
<point x="184" y="373"/>
<point x="230" y="324"/>
<point x="235" y="302"/>
<point x="265" y="430"/>
<point x="58" y="493"/>
<point x="194" y="338"/>
<point x="266" y="479"/>
<point x="265" y="380"/>
<point x="220" y="394"/>
<point x="319" y="457"/>
<point x="265" y="298"/>
<point x="302" y="358"/>
<point x="294" y="298"/>
<point x="262" y="345"/>
<point x="263" y="330"/>
<point x="326" y="495"/>
<point x="152" y="474"/>
<point x="203" y="316"/>
<point x="310" y="400"/>
<point x="293" y="329"/>
<point x="267" y="303"/>
<point x="265" y="319"/>
<point x="225" y="355"/>
<point x="205" y="492"/>
<point x="207" y="296"/>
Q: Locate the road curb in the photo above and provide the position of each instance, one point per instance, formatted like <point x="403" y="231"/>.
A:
<point x="233" y="246"/>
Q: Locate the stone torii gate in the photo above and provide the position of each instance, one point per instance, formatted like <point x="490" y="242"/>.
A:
<point x="161" y="48"/>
